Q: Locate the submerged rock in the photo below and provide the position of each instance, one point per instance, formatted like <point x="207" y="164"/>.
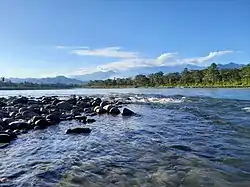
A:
<point x="114" y="111"/>
<point x="19" y="125"/>
<point x="53" y="118"/>
<point x="83" y="118"/>
<point x="127" y="112"/>
<point x="91" y="120"/>
<point x="78" y="130"/>
<point x="5" y="138"/>
<point x="42" y="123"/>
<point x="64" y="105"/>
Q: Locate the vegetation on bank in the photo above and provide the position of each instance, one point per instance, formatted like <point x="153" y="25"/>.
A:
<point x="8" y="85"/>
<point x="211" y="77"/>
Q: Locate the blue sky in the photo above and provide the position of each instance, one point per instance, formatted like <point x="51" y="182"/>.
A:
<point x="62" y="37"/>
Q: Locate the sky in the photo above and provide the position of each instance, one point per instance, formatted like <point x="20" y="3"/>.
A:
<point x="72" y="37"/>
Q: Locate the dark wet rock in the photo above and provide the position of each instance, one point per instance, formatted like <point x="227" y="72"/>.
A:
<point x="19" y="125"/>
<point x="17" y="132"/>
<point x="64" y="105"/>
<point x="23" y="131"/>
<point x="12" y="114"/>
<point x="11" y="109"/>
<point x="87" y="110"/>
<point x="48" y="106"/>
<point x="94" y="104"/>
<point x="78" y="130"/>
<point x="55" y="102"/>
<point x="7" y="121"/>
<point x="92" y="114"/>
<point x="3" y="114"/>
<point x="127" y="112"/>
<point x="28" y="114"/>
<point x="5" y="138"/>
<point x="98" y="100"/>
<point x="21" y="100"/>
<point x="42" y="123"/>
<point x="99" y="110"/>
<point x="114" y="111"/>
<point x="104" y="103"/>
<point x="72" y="101"/>
<point x="2" y="104"/>
<point x="33" y="107"/>
<point x="95" y="108"/>
<point x="35" y="118"/>
<point x="83" y="118"/>
<point x="69" y="118"/>
<point x="108" y="108"/>
<point x="43" y="111"/>
<point x="91" y="120"/>
<point x="32" y="102"/>
<point x="83" y="104"/>
<point x="181" y="147"/>
<point x="22" y="109"/>
<point x="53" y="118"/>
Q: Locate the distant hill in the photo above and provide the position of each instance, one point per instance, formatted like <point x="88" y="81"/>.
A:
<point x="48" y="80"/>
<point x="99" y="75"/>
<point x="230" y="65"/>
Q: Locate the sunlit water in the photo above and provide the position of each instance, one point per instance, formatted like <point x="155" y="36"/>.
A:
<point x="181" y="138"/>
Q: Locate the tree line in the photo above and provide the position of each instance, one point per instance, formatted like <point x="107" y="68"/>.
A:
<point x="7" y="85"/>
<point x="212" y="76"/>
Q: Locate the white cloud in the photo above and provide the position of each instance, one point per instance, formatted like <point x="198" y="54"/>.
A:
<point x="209" y="57"/>
<point x="112" y="52"/>
<point x="128" y="59"/>
<point x="165" y="59"/>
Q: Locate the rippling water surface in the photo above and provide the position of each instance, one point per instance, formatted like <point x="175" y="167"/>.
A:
<point x="181" y="138"/>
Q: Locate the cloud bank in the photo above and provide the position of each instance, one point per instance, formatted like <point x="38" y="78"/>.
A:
<point x="126" y="60"/>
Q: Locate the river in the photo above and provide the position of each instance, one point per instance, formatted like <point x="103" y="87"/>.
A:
<point x="181" y="138"/>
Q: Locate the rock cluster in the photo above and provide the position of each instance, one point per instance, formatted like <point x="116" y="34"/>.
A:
<point x="21" y="114"/>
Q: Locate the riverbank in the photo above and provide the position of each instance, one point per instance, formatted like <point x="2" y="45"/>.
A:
<point x="195" y="86"/>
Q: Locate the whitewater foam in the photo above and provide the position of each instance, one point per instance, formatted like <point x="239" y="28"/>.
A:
<point x="156" y="100"/>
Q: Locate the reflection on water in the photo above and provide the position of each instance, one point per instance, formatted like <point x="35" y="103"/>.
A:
<point x="175" y="141"/>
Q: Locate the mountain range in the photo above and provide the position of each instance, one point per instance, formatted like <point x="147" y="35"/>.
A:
<point x="100" y="75"/>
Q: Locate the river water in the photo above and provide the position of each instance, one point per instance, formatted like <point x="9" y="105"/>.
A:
<point x="181" y="138"/>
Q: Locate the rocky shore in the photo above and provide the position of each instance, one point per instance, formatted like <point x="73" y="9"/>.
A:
<point x="22" y="114"/>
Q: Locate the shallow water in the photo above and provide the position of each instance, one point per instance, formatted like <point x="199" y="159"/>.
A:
<point x="181" y="138"/>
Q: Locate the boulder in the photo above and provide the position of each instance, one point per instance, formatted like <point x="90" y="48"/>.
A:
<point x="22" y="109"/>
<point x="83" y="118"/>
<point x="2" y="104"/>
<point x="82" y="104"/>
<point x="72" y="101"/>
<point x="12" y="114"/>
<point x="87" y="110"/>
<point x="42" y="123"/>
<point x="53" y="118"/>
<point x="7" y="121"/>
<point x="21" y="100"/>
<point x="78" y="130"/>
<point x="108" y="108"/>
<point x="35" y="118"/>
<point x="5" y="138"/>
<point x="33" y="102"/>
<point x="64" y="105"/>
<point x="98" y="100"/>
<point x="114" y="111"/>
<point x="104" y="103"/>
<point x="100" y="111"/>
<point x="127" y="112"/>
<point x="28" y="114"/>
<point x="95" y="108"/>
<point x="90" y="120"/>
<point x="19" y="125"/>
